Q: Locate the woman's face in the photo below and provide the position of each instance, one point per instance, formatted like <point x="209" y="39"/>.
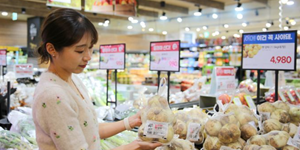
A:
<point x="75" y="58"/>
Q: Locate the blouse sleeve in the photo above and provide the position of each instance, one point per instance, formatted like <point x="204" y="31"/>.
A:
<point x="57" y="117"/>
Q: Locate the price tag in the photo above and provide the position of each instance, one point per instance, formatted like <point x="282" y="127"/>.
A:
<point x="237" y="101"/>
<point x="274" y="50"/>
<point x="250" y="102"/>
<point x="282" y="96"/>
<point x="154" y="129"/>
<point x="291" y="96"/>
<point x="164" y="56"/>
<point x="112" y="56"/>
<point x="193" y="131"/>
<point x="297" y="135"/>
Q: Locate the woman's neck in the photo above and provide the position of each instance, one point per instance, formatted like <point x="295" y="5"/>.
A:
<point x="60" y="72"/>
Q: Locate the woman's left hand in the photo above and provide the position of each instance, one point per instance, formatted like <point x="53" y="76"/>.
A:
<point x="135" y="120"/>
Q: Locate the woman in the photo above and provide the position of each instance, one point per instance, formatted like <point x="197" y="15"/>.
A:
<point x="62" y="111"/>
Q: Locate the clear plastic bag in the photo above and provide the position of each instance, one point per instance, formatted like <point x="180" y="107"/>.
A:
<point x="141" y="101"/>
<point x="13" y="140"/>
<point x="178" y="144"/>
<point x="157" y="118"/>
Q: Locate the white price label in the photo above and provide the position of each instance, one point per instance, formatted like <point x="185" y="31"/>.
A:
<point x="297" y="93"/>
<point x="154" y="129"/>
<point x="237" y="101"/>
<point x="282" y="96"/>
<point x="250" y="102"/>
<point x="291" y="96"/>
<point x="252" y="123"/>
<point x="193" y="131"/>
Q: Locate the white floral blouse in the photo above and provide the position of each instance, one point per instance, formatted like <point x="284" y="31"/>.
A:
<point x="64" y="120"/>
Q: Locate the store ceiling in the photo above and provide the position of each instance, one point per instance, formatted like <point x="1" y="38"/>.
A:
<point x="256" y="13"/>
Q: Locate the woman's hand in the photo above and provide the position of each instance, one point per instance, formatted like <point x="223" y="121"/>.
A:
<point x="135" y="120"/>
<point x="140" y="145"/>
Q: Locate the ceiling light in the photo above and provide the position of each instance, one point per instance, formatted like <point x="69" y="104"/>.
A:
<point x="298" y="31"/>
<point x="179" y="19"/>
<point x="286" y="28"/>
<point x="217" y="33"/>
<point x="198" y="29"/>
<point x="215" y="16"/>
<point x="239" y="7"/>
<point x="268" y="25"/>
<point x="213" y="34"/>
<point x="151" y="29"/>
<point x="226" y="26"/>
<point x="244" y="24"/>
<point x="134" y="21"/>
<point x="143" y="24"/>
<point x="130" y="18"/>
<point x="264" y="29"/>
<point x="284" y="1"/>
<point x="23" y="10"/>
<point x="236" y="35"/>
<point x="100" y="23"/>
<point x="201" y="35"/>
<point x="241" y="31"/>
<point x="163" y="17"/>
<point x="223" y="37"/>
<point x="198" y="13"/>
<point x="164" y="32"/>
<point x="187" y="29"/>
<point x="239" y="16"/>
<point x="290" y="3"/>
<point x="106" y="21"/>
<point x="129" y="27"/>
<point x="293" y="22"/>
<point x="4" y="13"/>
<point x="14" y="16"/>
<point x="205" y="27"/>
<point x="105" y="25"/>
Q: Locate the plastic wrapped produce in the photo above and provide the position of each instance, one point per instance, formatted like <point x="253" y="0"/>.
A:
<point x="13" y="140"/>
<point x="157" y="119"/>
<point x="178" y="144"/>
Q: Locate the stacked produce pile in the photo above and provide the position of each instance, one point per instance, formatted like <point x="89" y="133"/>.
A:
<point x="286" y="94"/>
<point x="190" y="125"/>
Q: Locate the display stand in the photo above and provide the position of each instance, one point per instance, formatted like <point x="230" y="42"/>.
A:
<point x="3" y="61"/>
<point x="269" y="51"/>
<point x="164" y="56"/>
<point x="112" y="57"/>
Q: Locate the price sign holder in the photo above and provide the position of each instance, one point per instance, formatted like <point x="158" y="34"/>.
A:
<point x="286" y="41"/>
<point x="111" y="59"/>
<point x="166" y="48"/>
<point x="3" y="61"/>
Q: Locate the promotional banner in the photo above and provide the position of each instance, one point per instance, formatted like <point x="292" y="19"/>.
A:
<point x="112" y="56"/>
<point x="24" y="70"/>
<point x="223" y="79"/>
<point x="34" y="39"/>
<point x="3" y="60"/>
<point x="269" y="50"/>
<point x="125" y="7"/>
<point x="164" y="56"/>
<point x="99" y="6"/>
<point x="75" y="4"/>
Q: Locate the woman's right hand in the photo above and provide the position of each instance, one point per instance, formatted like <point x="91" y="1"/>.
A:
<point x="141" y="145"/>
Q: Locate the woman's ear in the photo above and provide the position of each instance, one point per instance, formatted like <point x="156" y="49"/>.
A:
<point x="51" y="49"/>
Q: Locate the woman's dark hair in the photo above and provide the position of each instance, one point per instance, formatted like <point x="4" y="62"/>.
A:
<point x="63" y="28"/>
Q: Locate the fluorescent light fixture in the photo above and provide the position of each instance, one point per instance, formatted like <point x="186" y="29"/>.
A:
<point x="239" y="16"/>
<point x="215" y="16"/>
<point x="179" y="19"/>
<point x="4" y="13"/>
<point x="164" y="32"/>
<point x="151" y="29"/>
<point x="129" y="27"/>
<point x="284" y="1"/>
<point x="226" y="26"/>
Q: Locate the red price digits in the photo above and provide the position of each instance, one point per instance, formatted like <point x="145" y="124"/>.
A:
<point x="281" y="59"/>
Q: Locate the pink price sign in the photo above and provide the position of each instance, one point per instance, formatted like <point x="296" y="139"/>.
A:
<point x="112" y="56"/>
<point x="225" y="71"/>
<point x="3" y="61"/>
<point x="164" y="56"/>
